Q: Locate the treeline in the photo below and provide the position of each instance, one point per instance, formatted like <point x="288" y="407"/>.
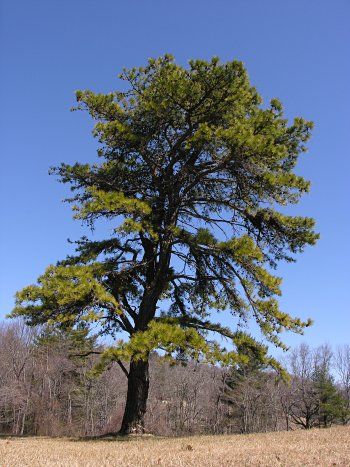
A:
<point x="48" y="386"/>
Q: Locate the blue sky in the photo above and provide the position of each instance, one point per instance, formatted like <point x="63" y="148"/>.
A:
<point x="297" y="51"/>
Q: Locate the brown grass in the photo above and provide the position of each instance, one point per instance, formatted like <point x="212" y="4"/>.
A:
<point x="299" y="448"/>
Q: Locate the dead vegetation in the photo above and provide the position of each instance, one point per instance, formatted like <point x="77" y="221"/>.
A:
<point x="326" y="447"/>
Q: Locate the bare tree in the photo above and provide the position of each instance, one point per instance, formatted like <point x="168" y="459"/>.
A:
<point x="303" y="405"/>
<point x="342" y="367"/>
<point x="15" y="368"/>
<point x="47" y="387"/>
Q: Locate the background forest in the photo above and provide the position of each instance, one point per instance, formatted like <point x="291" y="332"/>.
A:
<point x="48" y="386"/>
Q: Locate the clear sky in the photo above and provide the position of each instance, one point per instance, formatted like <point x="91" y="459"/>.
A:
<point x="295" y="50"/>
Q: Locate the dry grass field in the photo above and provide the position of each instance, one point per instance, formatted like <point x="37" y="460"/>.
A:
<point x="299" y="448"/>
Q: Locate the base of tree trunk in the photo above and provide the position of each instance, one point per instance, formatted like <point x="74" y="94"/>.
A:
<point x="136" y="399"/>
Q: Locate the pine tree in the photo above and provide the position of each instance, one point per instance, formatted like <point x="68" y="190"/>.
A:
<point x="73" y="350"/>
<point x="76" y="341"/>
<point x="192" y="169"/>
<point x="332" y="406"/>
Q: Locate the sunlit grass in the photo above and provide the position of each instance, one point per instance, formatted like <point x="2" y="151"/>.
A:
<point x="323" y="447"/>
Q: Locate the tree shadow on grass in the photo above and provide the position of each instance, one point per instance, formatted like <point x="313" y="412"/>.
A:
<point x="12" y="436"/>
<point x="115" y="437"/>
<point x="111" y="437"/>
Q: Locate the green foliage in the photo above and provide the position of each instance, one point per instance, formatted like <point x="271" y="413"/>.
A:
<point x="192" y="169"/>
<point x="66" y="295"/>
<point x="74" y="340"/>
<point x="110" y="203"/>
<point x="332" y="406"/>
<point x="171" y="336"/>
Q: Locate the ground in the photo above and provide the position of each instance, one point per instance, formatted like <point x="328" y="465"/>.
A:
<point x="318" y="447"/>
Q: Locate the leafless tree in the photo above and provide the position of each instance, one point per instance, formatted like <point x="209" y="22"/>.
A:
<point x="342" y="367"/>
<point x="46" y="389"/>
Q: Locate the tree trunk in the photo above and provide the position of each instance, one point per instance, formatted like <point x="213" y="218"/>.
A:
<point x="136" y="400"/>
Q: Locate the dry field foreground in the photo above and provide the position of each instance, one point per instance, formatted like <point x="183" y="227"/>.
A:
<point x="316" y="447"/>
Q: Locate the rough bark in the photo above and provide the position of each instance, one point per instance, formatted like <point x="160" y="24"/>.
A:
<point x="136" y="400"/>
